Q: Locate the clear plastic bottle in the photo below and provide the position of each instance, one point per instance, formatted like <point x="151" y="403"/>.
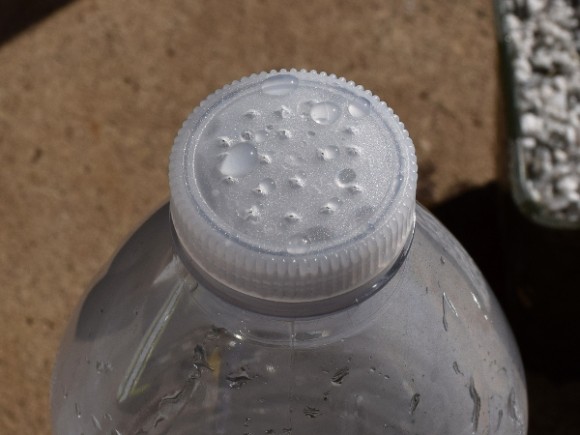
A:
<point x="292" y="286"/>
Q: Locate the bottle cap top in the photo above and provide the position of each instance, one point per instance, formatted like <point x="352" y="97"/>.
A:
<point x="293" y="186"/>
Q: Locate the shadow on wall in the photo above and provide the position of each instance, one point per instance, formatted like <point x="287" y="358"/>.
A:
<point x="17" y="15"/>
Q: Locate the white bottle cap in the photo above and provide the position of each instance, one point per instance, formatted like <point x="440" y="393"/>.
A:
<point x="292" y="187"/>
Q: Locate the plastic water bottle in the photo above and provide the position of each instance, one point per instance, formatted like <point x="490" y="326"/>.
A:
<point x="292" y="286"/>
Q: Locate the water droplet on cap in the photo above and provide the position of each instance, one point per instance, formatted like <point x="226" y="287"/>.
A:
<point x="264" y="159"/>
<point x="346" y="176"/>
<point x="265" y="186"/>
<point x="304" y="108"/>
<point x="284" y="134"/>
<point x="355" y="189"/>
<point x="260" y="136"/>
<point x="292" y="217"/>
<point x="353" y="151"/>
<point x="296" y="182"/>
<point x="284" y="112"/>
<point x="327" y="153"/>
<point x="324" y="113"/>
<point x="224" y="142"/>
<point x="251" y="114"/>
<point x="247" y="135"/>
<point x="278" y="85"/>
<point x="241" y="160"/>
<point x="251" y="214"/>
<point x="359" y="107"/>
<point x="331" y="206"/>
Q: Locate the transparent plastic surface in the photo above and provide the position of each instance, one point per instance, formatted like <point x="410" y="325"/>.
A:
<point x="151" y="351"/>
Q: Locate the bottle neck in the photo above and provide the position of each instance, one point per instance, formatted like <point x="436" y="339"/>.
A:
<point x="290" y="310"/>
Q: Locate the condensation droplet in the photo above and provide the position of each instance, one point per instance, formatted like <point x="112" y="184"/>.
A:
<point x="353" y="151"/>
<point x="247" y="135"/>
<point x="310" y="411"/>
<point x="280" y="84"/>
<point x="241" y="160"/>
<point x="359" y="107"/>
<point x="296" y="182"/>
<point x="260" y="136"/>
<point x="224" y="142"/>
<point x="346" y="176"/>
<point x="324" y="113"/>
<point x="251" y="214"/>
<point x="266" y="186"/>
<point x="351" y="131"/>
<point x="264" y="159"/>
<point x="339" y="375"/>
<point x="251" y="114"/>
<point x="331" y="206"/>
<point x="229" y="180"/>
<point x="414" y="403"/>
<point x="283" y="112"/>
<point x="355" y="189"/>
<point x="284" y="134"/>
<point x="292" y="217"/>
<point x="327" y="153"/>
<point x="305" y="107"/>
<point x="97" y="423"/>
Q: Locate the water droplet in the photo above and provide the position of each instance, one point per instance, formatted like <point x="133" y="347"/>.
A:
<point x="311" y="412"/>
<point x="354" y="189"/>
<point x="238" y="378"/>
<point x="284" y="112"/>
<point x="311" y="133"/>
<point x="327" y="153"/>
<point x="292" y="217"/>
<point x="264" y="159"/>
<point x="305" y="107"/>
<point x="96" y="423"/>
<point x="103" y="367"/>
<point x="476" y="404"/>
<point x="297" y="245"/>
<point x="324" y="113"/>
<point x="251" y="214"/>
<point x="229" y="180"/>
<point x="353" y="151"/>
<point x="339" y="375"/>
<point x="223" y="142"/>
<point x="247" y="135"/>
<point x="260" y="136"/>
<point x="251" y="114"/>
<point x="456" y="368"/>
<point x="318" y="234"/>
<point x="414" y="403"/>
<point x="280" y="84"/>
<point x="346" y="176"/>
<point x="296" y="182"/>
<point x="241" y="160"/>
<point x="265" y="186"/>
<point x="359" y="107"/>
<point x="284" y="134"/>
<point x="78" y="410"/>
<point x="351" y="131"/>
<point x="331" y="206"/>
